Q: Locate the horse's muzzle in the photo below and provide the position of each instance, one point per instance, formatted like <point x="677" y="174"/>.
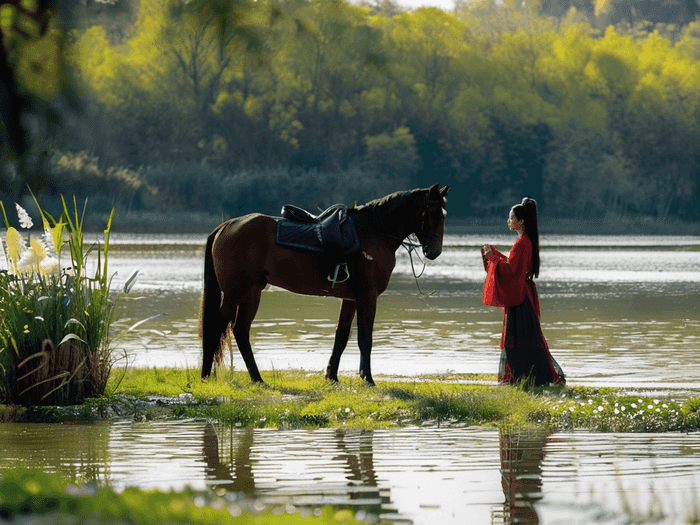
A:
<point x="432" y="253"/>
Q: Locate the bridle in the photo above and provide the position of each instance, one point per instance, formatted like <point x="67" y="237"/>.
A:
<point x="424" y="214"/>
<point x="410" y="246"/>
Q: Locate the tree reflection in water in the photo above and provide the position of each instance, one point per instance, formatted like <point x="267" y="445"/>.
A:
<point x="522" y="452"/>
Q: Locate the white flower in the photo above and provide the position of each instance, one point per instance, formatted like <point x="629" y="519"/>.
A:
<point x="49" y="266"/>
<point x="29" y="262"/>
<point x="48" y="242"/>
<point x="25" y="221"/>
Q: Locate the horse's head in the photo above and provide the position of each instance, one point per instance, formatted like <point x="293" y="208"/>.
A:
<point x="431" y="221"/>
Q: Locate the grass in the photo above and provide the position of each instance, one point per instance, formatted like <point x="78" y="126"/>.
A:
<point x="295" y="399"/>
<point x="29" y="496"/>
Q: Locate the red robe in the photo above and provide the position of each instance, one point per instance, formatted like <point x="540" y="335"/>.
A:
<point x="509" y="281"/>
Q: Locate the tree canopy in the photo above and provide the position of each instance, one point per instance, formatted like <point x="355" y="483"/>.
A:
<point x="497" y="100"/>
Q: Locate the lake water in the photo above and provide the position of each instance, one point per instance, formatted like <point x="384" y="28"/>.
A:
<point x="407" y="475"/>
<point x="619" y="311"/>
<point x="616" y="311"/>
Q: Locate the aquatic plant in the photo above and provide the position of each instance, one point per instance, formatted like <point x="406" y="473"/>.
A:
<point x="30" y="496"/>
<point x="55" y="317"/>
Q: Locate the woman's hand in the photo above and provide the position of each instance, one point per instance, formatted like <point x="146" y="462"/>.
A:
<point x="486" y="251"/>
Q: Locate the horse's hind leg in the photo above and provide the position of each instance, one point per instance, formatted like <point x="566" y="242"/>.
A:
<point x="342" y="334"/>
<point x="241" y="330"/>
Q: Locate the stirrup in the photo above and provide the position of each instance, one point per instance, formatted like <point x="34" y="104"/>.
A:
<point x="345" y="276"/>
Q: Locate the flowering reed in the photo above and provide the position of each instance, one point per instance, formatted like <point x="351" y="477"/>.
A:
<point x="54" y="314"/>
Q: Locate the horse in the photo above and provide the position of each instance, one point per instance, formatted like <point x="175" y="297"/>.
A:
<point x="242" y="257"/>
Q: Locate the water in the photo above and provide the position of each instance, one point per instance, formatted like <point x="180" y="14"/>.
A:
<point x="419" y="475"/>
<point x="617" y="311"/>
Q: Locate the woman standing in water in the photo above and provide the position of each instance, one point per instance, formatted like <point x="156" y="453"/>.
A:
<point x="510" y="283"/>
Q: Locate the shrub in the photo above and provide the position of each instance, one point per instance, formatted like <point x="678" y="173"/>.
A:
<point x="55" y="318"/>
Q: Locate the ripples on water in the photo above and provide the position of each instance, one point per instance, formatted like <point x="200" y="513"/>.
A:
<point x="423" y="475"/>
<point x="616" y="310"/>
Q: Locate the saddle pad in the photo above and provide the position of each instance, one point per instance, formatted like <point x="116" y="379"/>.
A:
<point x="335" y="239"/>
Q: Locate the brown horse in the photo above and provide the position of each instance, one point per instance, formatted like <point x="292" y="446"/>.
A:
<point x="242" y="257"/>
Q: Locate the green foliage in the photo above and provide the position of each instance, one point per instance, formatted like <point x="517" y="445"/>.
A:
<point x="395" y="155"/>
<point x="55" y="319"/>
<point x="495" y="99"/>
<point x="28" y="495"/>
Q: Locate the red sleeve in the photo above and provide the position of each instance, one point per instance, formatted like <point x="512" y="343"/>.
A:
<point x="515" y="266"/>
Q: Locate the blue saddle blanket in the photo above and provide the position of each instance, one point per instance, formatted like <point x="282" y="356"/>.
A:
<point x="331" y="232"/>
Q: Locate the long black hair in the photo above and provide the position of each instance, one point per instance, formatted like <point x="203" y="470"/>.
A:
<point x="527" y="210"/>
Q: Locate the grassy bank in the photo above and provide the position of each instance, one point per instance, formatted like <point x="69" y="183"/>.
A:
<point x="296" y="399"/>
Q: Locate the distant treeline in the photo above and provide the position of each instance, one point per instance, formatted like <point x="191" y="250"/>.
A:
<point x="323" y="101"/>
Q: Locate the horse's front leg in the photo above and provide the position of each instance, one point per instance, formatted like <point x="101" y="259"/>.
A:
<point x="366" y="310"/>
<point x="342" y="334"/>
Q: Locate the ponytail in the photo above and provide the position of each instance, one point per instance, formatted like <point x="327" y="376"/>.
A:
<point x="527" y="210"/>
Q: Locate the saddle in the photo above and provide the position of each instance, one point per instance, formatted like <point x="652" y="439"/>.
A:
<point x="332" y="233"/>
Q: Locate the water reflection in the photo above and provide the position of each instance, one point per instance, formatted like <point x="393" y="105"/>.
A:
<point x="228" y="451"/>
<point x="421" y="475"/>
<point x="522" y="452"/>
<point x="236" y="474"/>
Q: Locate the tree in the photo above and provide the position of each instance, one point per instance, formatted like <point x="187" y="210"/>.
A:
<point x="33" y="81"/>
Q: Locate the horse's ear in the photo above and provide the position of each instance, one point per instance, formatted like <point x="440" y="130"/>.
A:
<point x="444" y="191"/>
<point x="434" y="191"/>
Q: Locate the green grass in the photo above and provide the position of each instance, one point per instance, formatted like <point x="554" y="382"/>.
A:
<point x="297" y="399"/>
<point x="608" y="410"/>
<point x="28" y="495"/>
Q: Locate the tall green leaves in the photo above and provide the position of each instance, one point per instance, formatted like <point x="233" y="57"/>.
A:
<point x="55" y="320"/>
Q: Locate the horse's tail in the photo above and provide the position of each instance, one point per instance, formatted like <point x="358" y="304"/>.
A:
<point x="211" y="304"/>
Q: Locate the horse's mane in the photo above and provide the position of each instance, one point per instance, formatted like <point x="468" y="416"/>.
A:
<point x="374" y="214"/>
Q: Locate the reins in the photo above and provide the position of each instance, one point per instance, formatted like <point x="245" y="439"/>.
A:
<point x="409" y="245"/>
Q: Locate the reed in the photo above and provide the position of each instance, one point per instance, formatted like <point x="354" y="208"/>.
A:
<point x="56" y="312"/>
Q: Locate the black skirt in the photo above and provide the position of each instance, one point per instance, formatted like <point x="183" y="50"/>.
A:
<point x="525" y="356"/>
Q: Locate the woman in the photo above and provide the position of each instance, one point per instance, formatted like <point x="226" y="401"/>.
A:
<point x="510" y="283"/>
